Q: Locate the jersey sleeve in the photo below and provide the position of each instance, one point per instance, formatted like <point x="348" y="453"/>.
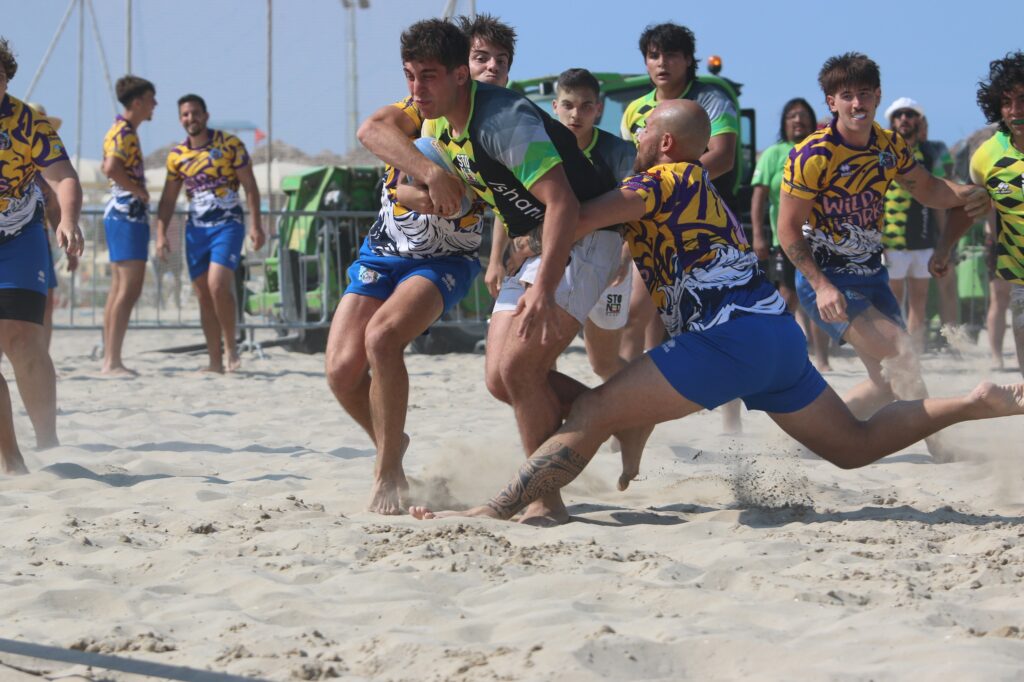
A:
<point x="905" y="161"/>
<point x="721" y="110"/>
<point x="47" y="147"/>
<point x="239" y="154"/>
<point x="113" y="144"/>
<point x="978" y="166"/>
<point x="172" y="166"/>
<point x="515" y="136"/>
<point x="804" y="175"/>
<point x="648" y="187"/>
<point x="409" y="108"/>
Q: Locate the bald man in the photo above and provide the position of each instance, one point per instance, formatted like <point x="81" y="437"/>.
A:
<point x="731" y="336"/>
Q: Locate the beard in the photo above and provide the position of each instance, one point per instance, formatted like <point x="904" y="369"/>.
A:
<point x="644" y="160"/>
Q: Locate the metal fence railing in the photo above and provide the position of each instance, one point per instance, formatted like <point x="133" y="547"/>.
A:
<point x="290" y="290"/>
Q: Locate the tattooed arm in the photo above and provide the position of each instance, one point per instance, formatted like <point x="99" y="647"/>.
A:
<point x="518" y="249"/>
<point x="793" y="213"/>
<point x="551" y="468"/>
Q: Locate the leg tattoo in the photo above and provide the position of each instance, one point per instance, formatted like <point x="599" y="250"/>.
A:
<point x="549" y="470"/>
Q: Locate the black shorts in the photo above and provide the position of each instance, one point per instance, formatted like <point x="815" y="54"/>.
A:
<point x="781" y="272"/>
<point x="24" y="305"/>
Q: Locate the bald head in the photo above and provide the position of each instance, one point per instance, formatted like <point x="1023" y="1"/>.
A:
<point x="687" y="123"/>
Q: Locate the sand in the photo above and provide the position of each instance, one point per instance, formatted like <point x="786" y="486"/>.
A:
<point x="218" y="523"/>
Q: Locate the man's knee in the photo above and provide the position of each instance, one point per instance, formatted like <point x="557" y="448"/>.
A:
<point x="495" y="385"/>
<point x="384" y="342"/>
<point x="589" y="413"/>
<point x="344" y="371"/>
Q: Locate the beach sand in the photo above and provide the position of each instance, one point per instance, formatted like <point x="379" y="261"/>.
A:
<point x="218" y="523"/>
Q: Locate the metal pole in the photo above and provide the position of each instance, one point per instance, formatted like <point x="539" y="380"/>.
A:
<point x="127" y="36"/>
<point x="103" y="56"/>
<point x="270" y="109"/>
<point x="353" y="91"/>
<point x="81" y="83"/>
<point x="49" y="51"/>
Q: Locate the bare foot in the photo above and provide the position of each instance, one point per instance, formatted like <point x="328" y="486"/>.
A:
<point x="47" y="442"/>
<point x="234" y="363"/>
<point x="823" y="367"/>
<point x="546" y="512"/>
<point x="118" y="372"/>
<point x="13" y="466"/>
<point x="386" y="495"/>
<point x="212" y="369"/>
<point x="422" y="513"/>
<point x="999" y="400"/>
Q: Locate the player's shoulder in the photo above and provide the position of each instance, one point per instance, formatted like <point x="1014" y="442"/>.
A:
<point x="225" y="139"/>
<point x="639" y="103"/>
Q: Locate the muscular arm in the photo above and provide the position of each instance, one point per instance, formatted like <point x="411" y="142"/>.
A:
<point x="114" y="169"/>
<point x="941" y="193"/>
<point x="611" y="208"/>
<point x="549" y="469"/>
<point x="496" y="268"/>
<point x="164" y="212"/>
<point x="720" y="157"/>
<point x="561" y="216"/>
<point x="252" y="200"/>
<point x="63" y="179"/>
<point x="758" y="201"/>
<point x="388" y="133"/>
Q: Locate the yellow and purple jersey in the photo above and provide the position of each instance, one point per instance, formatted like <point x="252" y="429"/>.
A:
<point x="401" y="231"/>
<point x="27" y="143"/>
<point x="847" y="185"/>
<point x="998" y="166"/>
<point x="692" y="253"/>
<point x="122" y="142"/>
<point x="210" y="175"/>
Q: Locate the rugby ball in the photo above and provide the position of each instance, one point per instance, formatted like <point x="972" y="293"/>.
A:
<point x="433" y="150"/>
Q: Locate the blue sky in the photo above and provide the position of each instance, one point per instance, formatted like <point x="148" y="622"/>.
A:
<point x="934" y="52"/>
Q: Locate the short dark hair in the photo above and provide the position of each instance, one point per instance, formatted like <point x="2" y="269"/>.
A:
<point x="669" y="37"/>
<point x="488" y="27"/>
<point x="185" y="99"/>
<point x="1003" y="76"/>
<point x="435" y="40"/>
<point x="578" y="79"/>
<point x="848" y="70"/>
<point x="7" y="60"/>
<point x="792" y="104"/>
<point x="130" y="87"/>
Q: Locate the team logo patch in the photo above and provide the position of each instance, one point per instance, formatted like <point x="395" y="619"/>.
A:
<point x="216" y="153"/>
<point x="5" y="140"/>
<point x="886" y="159"/>
<point x="368" y="276"/>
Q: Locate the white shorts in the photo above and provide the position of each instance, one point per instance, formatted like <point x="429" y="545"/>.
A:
<point x="910" y="263"/>
<point x="1017" y="305"/>
<point x="593" y="262"/>
<point x="612" y="308"/>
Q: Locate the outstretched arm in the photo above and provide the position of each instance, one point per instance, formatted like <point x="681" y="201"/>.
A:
<point x="611" y="208"/>
<point x="941" y="193"/>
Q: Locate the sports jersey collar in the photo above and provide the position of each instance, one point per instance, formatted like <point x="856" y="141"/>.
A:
<point x="872" y="140"/>
<point x="1006" y="140"/>
<point x="6" y="106"/>
<point x="686" y="90"/>
<point x="593" y="143"/>
<point x="188" y="141"/>
<point x="472" y="105"/>
<point x="126" y="121"/>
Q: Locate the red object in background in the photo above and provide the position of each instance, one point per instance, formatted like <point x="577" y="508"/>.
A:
<point x="260" y="135"/>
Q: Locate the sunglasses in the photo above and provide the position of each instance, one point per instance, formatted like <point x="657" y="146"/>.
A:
<point x="905" y="113"/>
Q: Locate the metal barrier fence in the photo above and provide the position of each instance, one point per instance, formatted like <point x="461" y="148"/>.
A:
<point x="287" y="290"/>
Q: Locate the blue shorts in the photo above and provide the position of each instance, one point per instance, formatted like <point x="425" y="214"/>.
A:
<point x="760" y="358"/>
<point x="378" y="276"/>
<point x="25" y="261"/>
<point x="126" y="240"/>
<point x="861" y="292"/>
<point x="221" y="245"/>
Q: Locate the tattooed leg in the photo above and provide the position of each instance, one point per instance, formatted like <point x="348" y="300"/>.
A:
<point x="550" y="469"/>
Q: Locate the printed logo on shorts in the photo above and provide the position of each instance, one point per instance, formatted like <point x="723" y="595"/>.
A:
<point x="233" y="258"/>
<point x="613" y="304"/>
<point x="5" y="140"/>
<point x="448" y="279"/>
<point x="368" y="276"/>
<point x="42" y="277"/>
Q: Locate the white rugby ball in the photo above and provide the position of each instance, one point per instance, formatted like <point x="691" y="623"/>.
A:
<point x="431" y="148"/>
